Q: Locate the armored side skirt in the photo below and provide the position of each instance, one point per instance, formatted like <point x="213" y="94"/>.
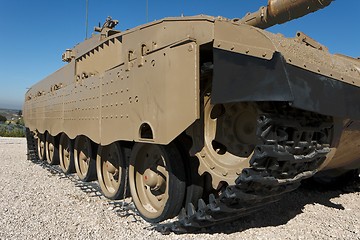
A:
<point x="238" y="77"/>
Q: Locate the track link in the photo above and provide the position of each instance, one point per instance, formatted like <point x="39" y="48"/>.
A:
<point x="291" y="147"/>
<point x="31" y="145"/>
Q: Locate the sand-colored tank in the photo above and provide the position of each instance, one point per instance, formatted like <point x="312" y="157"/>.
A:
<point x="206" y="114"/>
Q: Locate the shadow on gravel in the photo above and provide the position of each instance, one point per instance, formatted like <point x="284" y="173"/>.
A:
<point x="120" y="207"/>
<point x="291" y="205"/>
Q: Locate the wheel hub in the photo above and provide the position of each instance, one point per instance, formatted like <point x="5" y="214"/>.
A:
<point x="110" y="168"/>
<point x="153" y="180"/>
<point x="51" y="147"/>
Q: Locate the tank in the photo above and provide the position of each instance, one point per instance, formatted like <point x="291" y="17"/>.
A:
<point x="204" y="118"/>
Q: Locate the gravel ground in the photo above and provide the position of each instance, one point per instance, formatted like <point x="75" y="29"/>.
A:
<point x="37" y="202"/>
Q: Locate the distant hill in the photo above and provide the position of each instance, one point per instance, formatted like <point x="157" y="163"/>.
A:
<point x="10" y="114"/>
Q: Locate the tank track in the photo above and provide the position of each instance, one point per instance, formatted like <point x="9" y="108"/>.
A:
<point x="31" y="145"/>
<point x="289" y="149"/>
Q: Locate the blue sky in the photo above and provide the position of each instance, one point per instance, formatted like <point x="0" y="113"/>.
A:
<point x="34" y="33"/>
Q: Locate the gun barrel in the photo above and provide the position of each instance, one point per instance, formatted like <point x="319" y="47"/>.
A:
<point x="281" y="11"/>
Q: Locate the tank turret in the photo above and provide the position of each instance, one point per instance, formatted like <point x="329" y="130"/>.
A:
<point x="281" y="11"/>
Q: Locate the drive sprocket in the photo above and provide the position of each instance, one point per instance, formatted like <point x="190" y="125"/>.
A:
<point x="229" y="140"/>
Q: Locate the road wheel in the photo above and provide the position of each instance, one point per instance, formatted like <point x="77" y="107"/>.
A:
<point x="85" y="164"/>
<point x="66" y="154"/>
<point x="157" y="181"/>
<point x="41" y="146"/>
<point x="111" y="170"/>
<point x="52" y="150"/>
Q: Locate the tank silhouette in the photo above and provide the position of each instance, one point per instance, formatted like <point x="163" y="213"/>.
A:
<point x="203" y="117"/>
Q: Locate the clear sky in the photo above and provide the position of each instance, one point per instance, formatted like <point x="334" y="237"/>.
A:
<point x="34" y="33"/>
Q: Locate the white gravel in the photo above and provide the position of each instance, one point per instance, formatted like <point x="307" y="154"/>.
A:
<point x="37" y="202"/>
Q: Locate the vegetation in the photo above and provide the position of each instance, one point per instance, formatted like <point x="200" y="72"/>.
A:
<point x="11" y="123"/>
<point x="3" y="118"/>
<point x="12" y="130"/>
